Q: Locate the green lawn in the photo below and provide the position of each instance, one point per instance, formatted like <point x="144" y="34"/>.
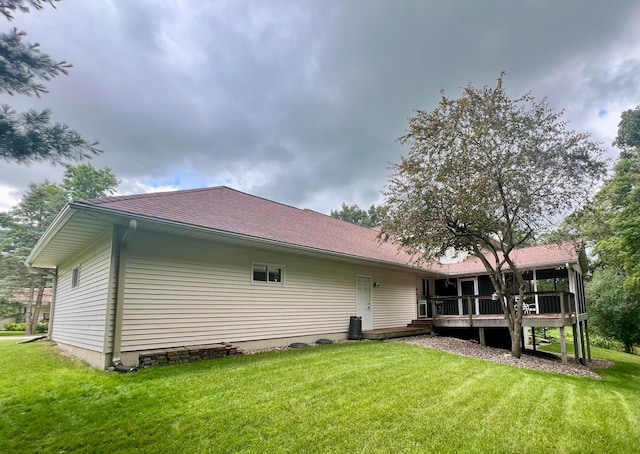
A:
<point x="349" y="398"/>
<point x="11" y="333"/>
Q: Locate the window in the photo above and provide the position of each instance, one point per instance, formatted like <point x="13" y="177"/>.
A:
<point x="270" y="274"/>
<point x="75" y="277"/>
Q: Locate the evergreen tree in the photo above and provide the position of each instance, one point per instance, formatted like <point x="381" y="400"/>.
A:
<point x="32" y="136"/>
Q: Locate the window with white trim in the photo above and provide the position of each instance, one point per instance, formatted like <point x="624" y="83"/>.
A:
<point x="268" y="274"/>
<point x="75" y="277"/>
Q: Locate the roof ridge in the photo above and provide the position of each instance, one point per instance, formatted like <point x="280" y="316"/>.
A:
<point x="99" y="200"/>
<point x="105" y="200"/>
<point x="263" y="198"/>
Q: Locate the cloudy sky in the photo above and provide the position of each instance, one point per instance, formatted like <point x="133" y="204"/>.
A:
<point x="302" y="101"/>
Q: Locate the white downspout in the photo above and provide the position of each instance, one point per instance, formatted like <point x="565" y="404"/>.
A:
<point x="117" y="323"/>
<point x="52" y="305"/>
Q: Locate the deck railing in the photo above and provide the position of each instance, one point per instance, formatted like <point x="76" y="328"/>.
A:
<point x="535" y="303"/>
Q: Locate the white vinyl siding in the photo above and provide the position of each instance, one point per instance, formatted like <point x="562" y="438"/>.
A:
<point x="80" y="312"/>
<point x="184" y="292"/>
<point x="394" y="302"/>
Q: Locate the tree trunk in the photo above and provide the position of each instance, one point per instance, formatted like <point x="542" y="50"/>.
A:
<point x="36" y="310"/>
<point x="516" y="338"/>
<point x="513" y="316"/>
<point x="29" y="315"/>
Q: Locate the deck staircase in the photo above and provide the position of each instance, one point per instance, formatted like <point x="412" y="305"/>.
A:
<point x="422" y="323"/>
<point x="415" y="328"/>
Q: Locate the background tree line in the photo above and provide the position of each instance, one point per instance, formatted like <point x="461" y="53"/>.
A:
<point x="353" y="213"/>
<point x="22" y="226"/>
<point x="610" y="224"/>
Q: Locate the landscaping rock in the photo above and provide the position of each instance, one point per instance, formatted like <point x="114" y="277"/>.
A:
<point x="298" y="345"/>
<point x="548" y="363"/>
<point x="324" y="341"/>
<point x="187" y="354"/>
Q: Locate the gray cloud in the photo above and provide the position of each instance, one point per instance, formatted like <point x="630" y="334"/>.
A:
<point x="303" y="102"/>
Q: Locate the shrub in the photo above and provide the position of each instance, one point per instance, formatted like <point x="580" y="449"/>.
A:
<point x="597" y="340"/>
<point x="42" y="328"/>
<point x="14" y="327"/>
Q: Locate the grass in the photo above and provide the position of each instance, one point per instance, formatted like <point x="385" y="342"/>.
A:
<point x="12" y="333"/>
<point x="553" y="334"/>
<point x="368" y="397"/>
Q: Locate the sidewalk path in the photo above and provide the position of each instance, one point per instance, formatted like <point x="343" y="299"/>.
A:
<point x="19" y="338"/>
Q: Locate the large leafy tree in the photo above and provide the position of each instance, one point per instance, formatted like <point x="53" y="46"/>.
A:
<point x="356" y="215"/>
<point x="485" y="174"/>
<point x="32" y="136"/>
<point x="21" y="227"/>
<point x="86" y="182"/>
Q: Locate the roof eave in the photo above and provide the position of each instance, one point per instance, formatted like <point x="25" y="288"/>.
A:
<point x="60" y="220"/>
<point x="527" y="267"/>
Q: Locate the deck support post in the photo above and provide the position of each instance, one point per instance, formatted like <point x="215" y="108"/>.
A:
<point x="586" y="332"/>
<point x="525" y="338"/>
<point x="583" y="355"/>
<point x="578" y="342"/>
<point x="533" y="338"/>
<point x="563" y="345"/>
<point x="483" y="338"/>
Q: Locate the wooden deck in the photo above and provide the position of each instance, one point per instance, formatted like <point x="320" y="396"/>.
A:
<point x="541" y="309"/>
<point x="498" y="321"/>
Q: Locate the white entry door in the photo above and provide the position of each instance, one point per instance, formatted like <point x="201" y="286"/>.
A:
<point x="363" y="301"/>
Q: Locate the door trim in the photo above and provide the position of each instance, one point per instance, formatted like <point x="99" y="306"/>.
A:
<point x="366" y="324"/>
<point x="476" y="304"/>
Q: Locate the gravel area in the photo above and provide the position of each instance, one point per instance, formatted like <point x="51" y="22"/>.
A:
<point x="547" y="362"/>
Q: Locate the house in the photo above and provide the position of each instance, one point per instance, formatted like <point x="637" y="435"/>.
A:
<point x="143" y="272"/>
<point x="147" y="272"/>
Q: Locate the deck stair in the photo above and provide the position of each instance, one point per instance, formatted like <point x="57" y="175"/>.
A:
<point x="421" y="323"/>
<point x="415" y="328"/>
